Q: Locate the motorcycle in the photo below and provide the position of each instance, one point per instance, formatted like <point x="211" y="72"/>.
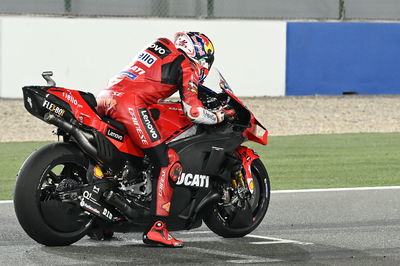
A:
<point x="223" y="184"/>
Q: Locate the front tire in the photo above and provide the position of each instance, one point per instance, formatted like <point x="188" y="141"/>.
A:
<point x="219" y="221"/>
<point x="44" y="218"/>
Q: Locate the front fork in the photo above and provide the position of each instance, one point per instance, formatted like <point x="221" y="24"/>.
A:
<point x="247" y="156"/>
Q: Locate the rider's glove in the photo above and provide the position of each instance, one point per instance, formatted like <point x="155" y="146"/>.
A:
<point x="220" y="114"/>
<point x="223" y="114"/>
<point x="229" y="113"/>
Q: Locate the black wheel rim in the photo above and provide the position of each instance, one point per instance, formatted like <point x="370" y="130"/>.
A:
<point x="257" y="203"/>
<point x="59" y="216"/>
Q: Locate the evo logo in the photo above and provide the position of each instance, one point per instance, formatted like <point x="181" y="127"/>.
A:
<point x="147" y="59"/>
<point x="193" y="180"/>
<point x="159" y="49"/>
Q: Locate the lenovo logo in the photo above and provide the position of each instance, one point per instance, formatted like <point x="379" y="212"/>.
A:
<point x="149" y="126"/>
<point x="114" y="135"/>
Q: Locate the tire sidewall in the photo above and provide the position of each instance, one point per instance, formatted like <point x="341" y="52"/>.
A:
<point x="26" y="203"/>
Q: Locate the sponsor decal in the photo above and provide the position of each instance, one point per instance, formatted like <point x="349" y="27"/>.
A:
<point x="139" y="130"/>
<point x="89" y="207"/>
<point x="161" y="182"/>
<point x="71" y="99"/>
<point x="167" y="206"/>
<point x="118" y="94"/>
<point x="147" y="59"/>
<point x="96" y="189"/>
<point x="149" y="125"/>
<point x="193" y="180"/>
<point x="107" y="214"/>
<point x="53" y="108"/>
<point x="87" y="195"/>
<point x="198" y="44"/>
<point x="129" y="75"/>
<point x="159" y="49"/>
<point x="137" y="70"/>
<point x="29" y="100"/>
<point x="114" y="135"/>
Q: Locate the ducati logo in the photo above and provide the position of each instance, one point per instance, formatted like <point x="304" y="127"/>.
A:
<point x="193" y="180"/>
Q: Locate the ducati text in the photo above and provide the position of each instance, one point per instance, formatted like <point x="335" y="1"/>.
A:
<point x="193" y="180"/>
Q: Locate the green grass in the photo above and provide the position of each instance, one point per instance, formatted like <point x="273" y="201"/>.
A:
<point x="293" y="162"/>
<point x="12" y="155"/>
<point x="337" y="160"/>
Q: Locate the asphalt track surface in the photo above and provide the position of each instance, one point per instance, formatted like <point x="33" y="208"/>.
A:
<point x="360" y="227"/>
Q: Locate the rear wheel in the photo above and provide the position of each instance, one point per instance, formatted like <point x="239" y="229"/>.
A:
<point x="229" y="220"/>
<point x="49" y="221"/>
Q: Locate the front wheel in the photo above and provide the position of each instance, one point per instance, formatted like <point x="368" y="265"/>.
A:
<point x="227" y="220"/>
<point x="41" y="214"/>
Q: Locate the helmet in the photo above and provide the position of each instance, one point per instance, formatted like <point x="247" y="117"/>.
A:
<point x="199" y="48"/>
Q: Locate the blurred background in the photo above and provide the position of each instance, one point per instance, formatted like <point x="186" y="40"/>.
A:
<point x="263" y="47"/>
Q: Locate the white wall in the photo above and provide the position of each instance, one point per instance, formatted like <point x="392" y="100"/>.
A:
<point x="85" y="52"/>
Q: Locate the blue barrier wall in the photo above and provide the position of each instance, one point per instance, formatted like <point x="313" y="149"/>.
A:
<point x="332" y="58"/>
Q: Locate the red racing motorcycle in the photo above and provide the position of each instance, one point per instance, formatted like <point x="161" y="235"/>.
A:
<point x="223" y="183"/>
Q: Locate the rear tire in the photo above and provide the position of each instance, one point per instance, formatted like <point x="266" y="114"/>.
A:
<point x="219" y="224"/>
<point x="44" y="218"/>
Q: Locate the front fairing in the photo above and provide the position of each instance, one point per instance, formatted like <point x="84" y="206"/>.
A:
<point x="255" y="131"/>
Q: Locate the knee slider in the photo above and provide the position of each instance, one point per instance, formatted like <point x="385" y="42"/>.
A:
<point x="176" y="169"/>
<point x="175" y="172"/>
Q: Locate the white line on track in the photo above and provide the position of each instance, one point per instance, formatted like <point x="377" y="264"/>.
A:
<point x="306" y="190"/>
<point x="235" y="257"/>
<point x="333" y="189"/>
<point x="194" y="232"/>
<point x="274" y="240"/>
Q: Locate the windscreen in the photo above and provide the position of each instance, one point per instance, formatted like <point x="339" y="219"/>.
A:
<point x="216" y="82"/>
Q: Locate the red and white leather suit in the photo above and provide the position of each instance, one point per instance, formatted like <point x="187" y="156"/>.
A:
<point x="156" y="73"/>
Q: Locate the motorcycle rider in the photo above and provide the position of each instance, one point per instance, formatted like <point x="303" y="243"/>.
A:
<point x="157" y="72"/>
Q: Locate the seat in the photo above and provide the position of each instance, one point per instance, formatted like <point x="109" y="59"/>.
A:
<point x="91" y="101"/>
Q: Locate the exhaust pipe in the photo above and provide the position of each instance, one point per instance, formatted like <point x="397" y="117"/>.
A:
<point x="81" y="137"/>
<point x="119" y="202"/>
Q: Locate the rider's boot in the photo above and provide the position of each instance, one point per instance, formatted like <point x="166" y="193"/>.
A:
<point x="158" y="234"/>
